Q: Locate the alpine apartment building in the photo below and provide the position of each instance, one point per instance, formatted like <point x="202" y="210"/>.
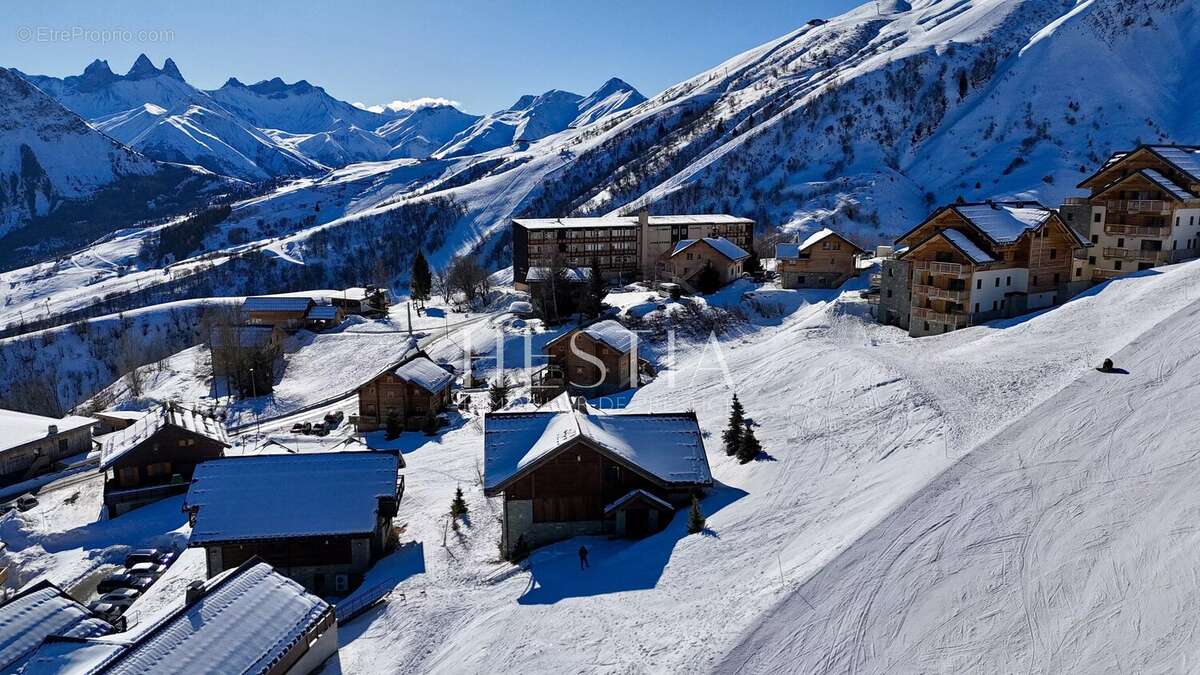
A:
<point x="969" y="263"/>
<point x="624" y="248"/>
<point x="1143" y="211"/>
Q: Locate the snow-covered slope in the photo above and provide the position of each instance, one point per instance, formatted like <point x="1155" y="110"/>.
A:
<point x="60" y="173"/>
<point x="535" y="117"/>
<point x="419" y="133"/>
<point x="298" y="108"/>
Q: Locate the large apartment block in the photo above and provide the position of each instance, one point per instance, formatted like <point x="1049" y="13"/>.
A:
<point x="624" y="248"/>
<point x="1143" y="211"/>
<point x="970" y="263"/>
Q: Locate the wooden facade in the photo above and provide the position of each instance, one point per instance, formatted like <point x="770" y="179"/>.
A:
<point x="157" y="467"/>
<point x="960" y="275"/>
<point x="1143" y="211"/>
<point x="391" y="394"/>
<point x="586" y="366"/>
<point x="26" y="455"/>
<point x="685" y="265"/>
<point x="821" y="262"/>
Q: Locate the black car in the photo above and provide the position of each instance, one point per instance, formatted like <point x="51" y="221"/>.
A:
<point x="26" y="502"/>
<point x="124" y="580"/>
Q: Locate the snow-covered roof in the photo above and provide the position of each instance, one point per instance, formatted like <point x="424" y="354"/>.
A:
<point x="113" y="446"/>
<point x="37" y="613"/>
<point x="968" y="247"/>
<point x="1004" y="222"/>
<point x="609" y="331"/>
<point x="520" y="307"/>
<point x="245" y="621"/>
<point x="631" y="221"/>
<point x="638" y="493"/>
<point x="276" y="303"/>
<point x="792" y="250"/>
<point x="300" y="495"/>
<point x="1185" y="158"/>
<point x="425" y="374"/>
<point x="18" y="428"/>
<point x="1167" y="184"/>
<point x="71" y="656"/>
<point x="576" y="274"/>
<point x="722" y="245"/>
<point x="322" y="312"/>
<point x="666" y="447"/>
<point x="246" y="336"/>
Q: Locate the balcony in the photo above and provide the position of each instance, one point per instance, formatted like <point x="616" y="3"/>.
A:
<point x="1156" y="206"/>
<point x="941" y="268"/>
<point x="1105" y="275"/>
<point x="1118" y="253"/>
<point x="1137" y="230"/>
<point x="1156" y="257"/>
<point x="1076" y="201"/>
<point x="935" y="293"/>
<point x="956" y="320"/>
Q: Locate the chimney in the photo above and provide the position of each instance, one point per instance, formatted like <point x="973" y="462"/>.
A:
<point x="195" y="591"/>
<point x="643" y="216"/>
<point x="52" y="429"/>
<point x="580" y="404"/>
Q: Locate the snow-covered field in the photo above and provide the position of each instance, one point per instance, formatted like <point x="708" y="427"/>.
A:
<point x="981" y="500"/>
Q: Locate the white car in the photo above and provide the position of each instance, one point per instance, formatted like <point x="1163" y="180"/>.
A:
<point x="122" y="598"/>
<point x="146" y="569"/>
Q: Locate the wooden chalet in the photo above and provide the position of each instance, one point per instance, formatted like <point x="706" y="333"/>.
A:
<point x="689" y="257"/>
<point x="288" y="312"/>
<point x="411" y="391"/>
<point x="1143" y="211"/>
<point x="974" y="262"/>
<point x="572" y="470"/>
<point x="235" y="348"/>
<point x="36" y="613"/>
<point x="365" y="301"/>
<point x="31" y="445"/>
<point x="321" y="519"/>
<point x="249" y="620"/>
<point x="595" y="360"/>
<point x="156" y="456"/>
<point x="825" y="259"/>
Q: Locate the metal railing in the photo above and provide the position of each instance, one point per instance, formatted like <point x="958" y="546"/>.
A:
<point x="1123" y="253"/>
<point x="925" y="314"/>
<point x="1076" y="201"/>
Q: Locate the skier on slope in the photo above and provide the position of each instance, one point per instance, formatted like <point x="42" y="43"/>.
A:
<point x="583" y="561"/>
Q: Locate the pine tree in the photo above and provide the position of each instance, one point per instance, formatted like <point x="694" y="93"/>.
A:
<point x="394" y="427"/>
<point x="732" y="436"/>
<point x="696" y="521"/>
<point x="422" y="279"/>
<point x="430" y="424"/>
<point x="499" y="391"/>
<point x="752" y="264"/>
<point x="595" y="294"/>
<point x="708" y="281"/>
<point x="749" y="448"/>
<point x="458" y="507"/>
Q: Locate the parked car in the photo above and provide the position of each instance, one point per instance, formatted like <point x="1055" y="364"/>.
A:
<point x="149" y="555"/>
<point x="298" y="428"/>
<point x="121" y="580"/>
<point x="26" y="502"/>
<point x="6" y="507"/>
<point x="333" y="419"/>
<point x="319" y="429"/>
<point x="108" y="611"/>
<point x="308" y="427"/>
<point x="147" y="569"/>
<point x="122" y="597"/>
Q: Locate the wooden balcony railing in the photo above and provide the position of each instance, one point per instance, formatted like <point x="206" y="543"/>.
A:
<point x="1137" y="230"/>
<point x="1121" y="253"/>
<point x="940" y="268"/>
<point x="935" y="293"/>
<point x="1076" y="201"/>
<point x="1139" y="206"/>
<point x="956" y="320"/>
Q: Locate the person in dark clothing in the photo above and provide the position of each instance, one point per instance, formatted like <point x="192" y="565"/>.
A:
<point x="583" y="563"/>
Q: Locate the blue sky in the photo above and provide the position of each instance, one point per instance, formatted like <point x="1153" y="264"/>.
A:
<point x="482" y="54"/>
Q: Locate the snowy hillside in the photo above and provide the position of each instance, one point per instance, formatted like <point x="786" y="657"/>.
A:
<point x="419" y="133"/>
<point x="298" y="108"/>
<point x="58" y="172"/>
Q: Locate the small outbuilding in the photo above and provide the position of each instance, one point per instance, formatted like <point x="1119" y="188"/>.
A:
<point x="410" y="392"/>
<point x="31" y="445"/>
<point x="289" y="312"/>
<point x="592" y="361"/>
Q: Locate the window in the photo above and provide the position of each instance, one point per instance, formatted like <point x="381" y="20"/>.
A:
<point x="1117" y="265"/>
<point x="128" y="475"/>
<point x="978" y="284"/>
<point x="993" y="305"/>
<point x="1095" y="239"/>
<point x="1120" y="242"/>
<point x="1091" y="260"/>
<point x="1095" y="217"/>
<point x="1053" y="253"/>
<point x="158" y="469"/>
<point x="1056" y="277"/>
<point x="997" y="282"/>
<point x="977" y="308"/>
<point x="926" y="326"/>
<point x="62" y="445"/>
<point x="889" y="293"/>
<point x="1035" y="280"/>
<point x="1008" y="281"/>
<point x="1078" y="271"/>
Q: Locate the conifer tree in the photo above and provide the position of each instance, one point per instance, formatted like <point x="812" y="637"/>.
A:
<point x="595" y="292"/>
<point x="458" y="507"/>
<point x="732" y="436"/>
<point x="394" y="427"/>
<point x="749" y="448"/>
<point x="421" y="282"/>
<point x="498" y="393"/>
<point x="695" y="517"/>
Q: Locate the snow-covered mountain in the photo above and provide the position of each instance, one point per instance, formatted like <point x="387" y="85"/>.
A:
<point x="535" y="117"/>
<point x="298" y="108"/>
<point x="64" y="176"/>
<point x="156" y="112"/>
<point x="419" y="133"/>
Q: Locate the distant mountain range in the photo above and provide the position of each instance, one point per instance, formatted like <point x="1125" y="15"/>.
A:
<point x="271" y="128"/>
